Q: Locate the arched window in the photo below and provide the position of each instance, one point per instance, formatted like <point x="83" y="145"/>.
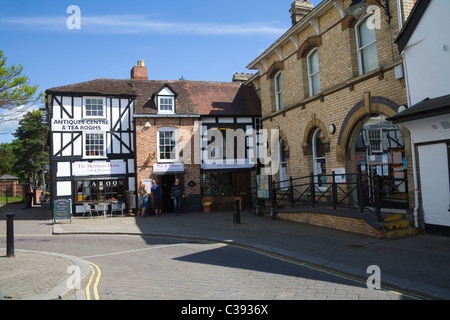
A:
<point x="319" y="160"/>
<point x="366" y="43"/>
<point x="313" y="73"/>
<point x="283" y="165"/>
<point x="278" y="91"/>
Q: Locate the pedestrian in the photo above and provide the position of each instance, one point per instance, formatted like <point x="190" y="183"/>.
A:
<point x="156" y="193"/>
<point x="42" y="200"/>
<point x="177" y="194"/>
<point x="141" y="197"/>
<point x="29" y="199"/>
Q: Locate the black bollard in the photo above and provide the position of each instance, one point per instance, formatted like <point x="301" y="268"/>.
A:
<point x="236" y="212"/>
<point x="9" y="234"/>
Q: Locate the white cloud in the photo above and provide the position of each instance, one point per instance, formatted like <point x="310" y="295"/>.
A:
<point x="138" y="24"/>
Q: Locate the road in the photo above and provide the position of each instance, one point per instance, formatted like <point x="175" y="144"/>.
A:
<point x="135" y="267"/>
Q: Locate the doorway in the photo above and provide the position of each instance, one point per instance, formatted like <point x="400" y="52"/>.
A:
<point x="378" y="150"/>
<point x="166" y="184"/>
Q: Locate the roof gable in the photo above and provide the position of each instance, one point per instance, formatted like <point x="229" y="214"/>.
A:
<point x="410" y="25"/>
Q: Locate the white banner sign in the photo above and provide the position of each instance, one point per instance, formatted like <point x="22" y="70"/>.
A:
<point x="168" y="167"/>
<point x="80" y="125"/>
<point x="98" y="168"/>
<point x="227" y="164"/>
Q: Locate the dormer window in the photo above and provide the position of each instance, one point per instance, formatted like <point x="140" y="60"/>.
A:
<point x="166" y="101"/>
<point x="166" y="105"/>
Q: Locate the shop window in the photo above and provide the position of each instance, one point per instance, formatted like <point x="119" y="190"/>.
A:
<point x="216" y="183"/>
<point x="99" y="190"/>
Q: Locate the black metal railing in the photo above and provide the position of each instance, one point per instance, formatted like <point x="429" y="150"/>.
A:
<point x="350" y="190"/>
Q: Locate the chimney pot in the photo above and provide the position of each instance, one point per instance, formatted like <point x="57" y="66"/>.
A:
<point x="299" y="9"/>
<point x="139" y="72"/>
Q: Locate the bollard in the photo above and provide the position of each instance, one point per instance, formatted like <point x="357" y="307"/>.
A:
<point x="9" y="234"/>
<point x="236" y="212"/>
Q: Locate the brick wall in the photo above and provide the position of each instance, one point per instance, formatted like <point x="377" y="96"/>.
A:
<point x="147" y="153"/>
<point x="346" y="98"/>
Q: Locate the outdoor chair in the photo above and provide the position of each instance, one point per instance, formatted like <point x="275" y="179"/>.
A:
<point x="87" y="208"/>
<point x="101" y="207"/>
<point x="118" y="207"/>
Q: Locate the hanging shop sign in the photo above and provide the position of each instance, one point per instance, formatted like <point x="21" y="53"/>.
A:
<point x="99" y="168"/>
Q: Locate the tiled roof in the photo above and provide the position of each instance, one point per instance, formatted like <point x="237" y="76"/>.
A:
<point x="426" y="108"/>
<point x="97" y="87"/>
<point x="192" y="97"/>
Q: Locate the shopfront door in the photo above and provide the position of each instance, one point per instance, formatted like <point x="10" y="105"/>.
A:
<point x="166" y="183"/>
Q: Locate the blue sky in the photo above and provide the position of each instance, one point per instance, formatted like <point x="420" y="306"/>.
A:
<point x="197" y="39"/>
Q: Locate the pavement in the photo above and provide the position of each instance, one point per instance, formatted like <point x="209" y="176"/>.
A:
<point x="418" y="265"/>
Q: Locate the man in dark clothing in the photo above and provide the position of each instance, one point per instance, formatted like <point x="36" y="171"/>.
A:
<point x="177" y="194"/>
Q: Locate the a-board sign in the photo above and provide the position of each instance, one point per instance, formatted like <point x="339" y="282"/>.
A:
<point x="62" y="209"/>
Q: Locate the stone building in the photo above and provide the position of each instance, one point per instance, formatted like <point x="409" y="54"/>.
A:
<point x="328" y="84"/>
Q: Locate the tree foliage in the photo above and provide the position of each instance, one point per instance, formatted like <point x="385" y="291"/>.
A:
<point x="15" y="91"/>
<point x="7" y="159"/>
<point x="31" y="147"/>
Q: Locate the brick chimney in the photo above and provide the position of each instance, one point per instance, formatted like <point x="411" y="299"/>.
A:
<point x="241" y="77"/>
<point x="139" y="72"/>
<point x="299" y="9"/>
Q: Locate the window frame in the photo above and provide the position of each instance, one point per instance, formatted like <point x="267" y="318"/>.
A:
<point x="85" y="155"/>
<point x="92" y="190"/>
<point x="360" y="49"/>
<point x="86" y="116"/>
<point x="278" y="88"/>
<point x="163" y="111"/>
<point x="320" y="185"/>
<point x="313" y="92"/>
<point x="175" y="138"/>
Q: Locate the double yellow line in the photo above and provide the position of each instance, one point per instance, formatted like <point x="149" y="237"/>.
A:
<point x="96" y="273"/>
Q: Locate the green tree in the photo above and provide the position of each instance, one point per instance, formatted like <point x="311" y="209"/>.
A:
<point x="31" y="148"/>
<point x="7" y="158"/>
<point x="15" y="91"/>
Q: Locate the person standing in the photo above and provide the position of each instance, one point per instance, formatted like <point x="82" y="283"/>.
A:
<point x="177" y="194"/>
<point x="156" y="193"/>
<point x="142" y="197"/>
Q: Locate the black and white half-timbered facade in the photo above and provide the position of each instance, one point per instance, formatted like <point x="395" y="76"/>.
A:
<point x="92" y="143"/>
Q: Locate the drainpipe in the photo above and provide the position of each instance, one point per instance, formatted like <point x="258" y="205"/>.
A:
<point x="413" y="148"/>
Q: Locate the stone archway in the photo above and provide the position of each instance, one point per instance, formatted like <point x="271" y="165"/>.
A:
<point x="363" y="109"/>
<point x="373" y="145"/>
<point x="309" y="130"/>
